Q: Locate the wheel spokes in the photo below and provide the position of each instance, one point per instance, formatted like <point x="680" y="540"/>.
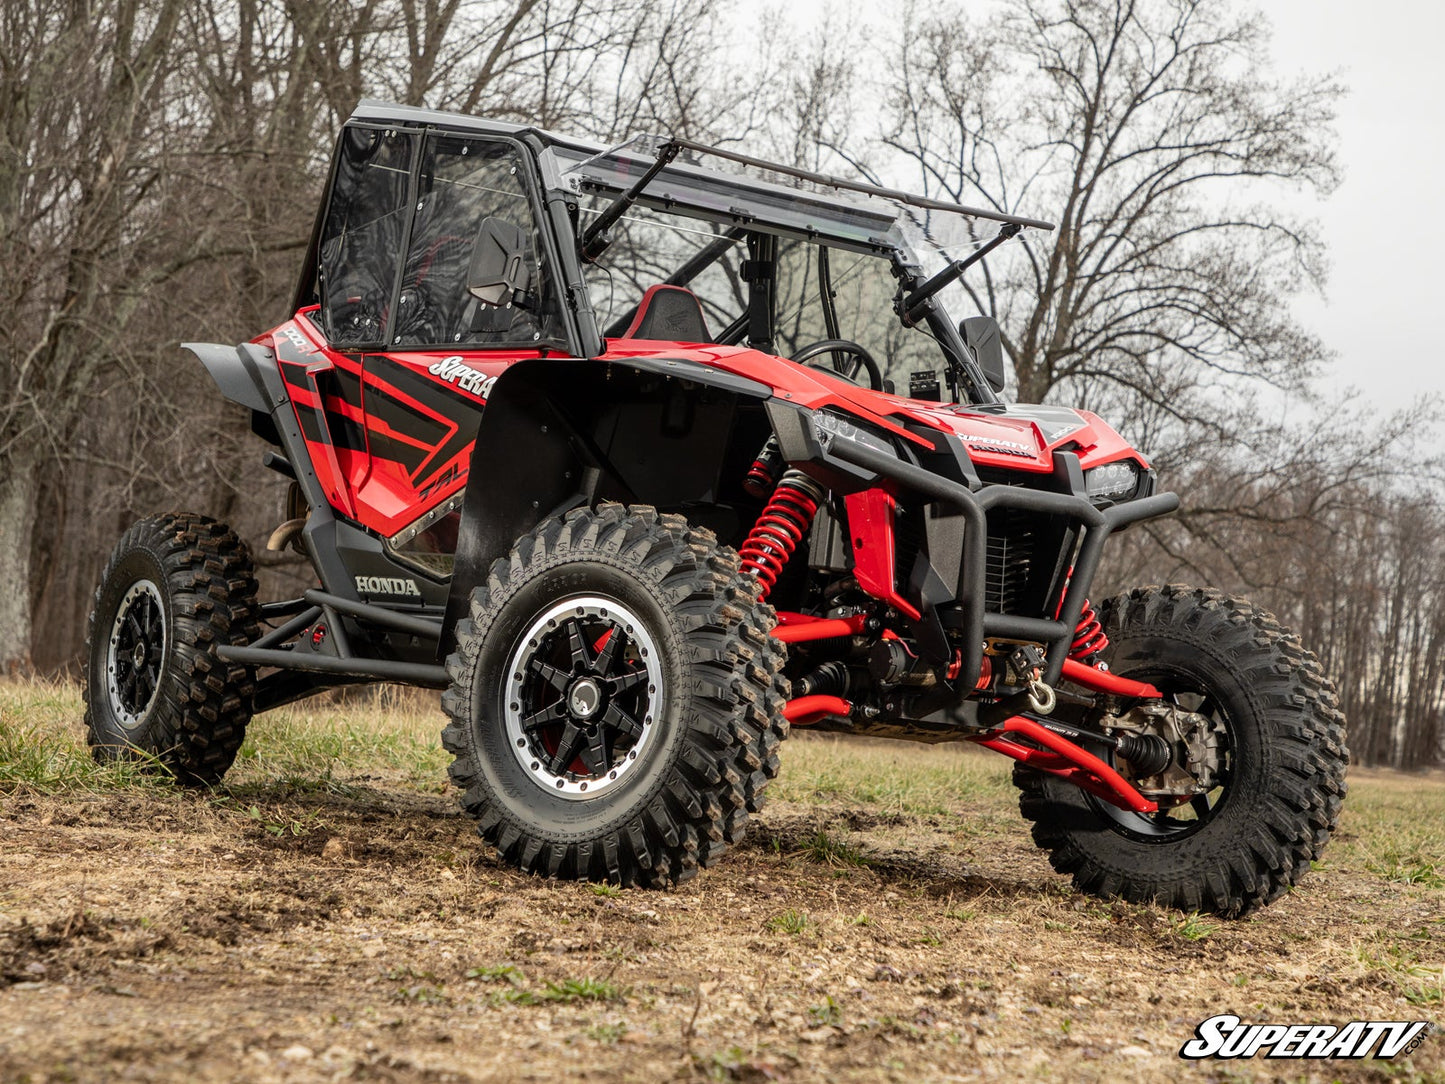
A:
<point x="566" y="747"/>
<point x="581" y="657"/>
<point x="611" y="651"/>
<point x="594" y="753"/>
<point x="553" y="676"/>
<point x="625" y="725"/>
<point x="552" y="714"/>
<point x="628" y="681"/>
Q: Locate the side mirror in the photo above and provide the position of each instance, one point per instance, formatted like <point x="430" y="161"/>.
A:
<point x="982" y="336"/>
<point x="497" y="274"/>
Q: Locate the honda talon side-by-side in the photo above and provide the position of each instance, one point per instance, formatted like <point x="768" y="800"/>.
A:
<point x="644" y="455"/>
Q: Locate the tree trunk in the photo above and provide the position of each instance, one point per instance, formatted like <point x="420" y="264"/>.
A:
<point x="18" y="493"/>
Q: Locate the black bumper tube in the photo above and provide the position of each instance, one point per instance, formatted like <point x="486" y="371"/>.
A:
<point x="1097" y="523"/>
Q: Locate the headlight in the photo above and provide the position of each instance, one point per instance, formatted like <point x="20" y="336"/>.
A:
<point x="832" y="426"/>
<point x="1112" y="480"/>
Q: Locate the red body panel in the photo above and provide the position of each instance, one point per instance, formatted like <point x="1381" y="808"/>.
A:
<point x="390" y="434"/>
<point x="870" y="522"/>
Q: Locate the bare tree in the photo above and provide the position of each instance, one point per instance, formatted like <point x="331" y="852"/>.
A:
<point x="160" y="165"/>
<point x="1152" y="131"/>
<point x="82" y="96"/>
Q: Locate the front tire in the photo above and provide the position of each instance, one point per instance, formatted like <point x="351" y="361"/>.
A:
<point x="1280" y="745"/>
<point x="176" y="588"/>
<point x="616" y="699"/>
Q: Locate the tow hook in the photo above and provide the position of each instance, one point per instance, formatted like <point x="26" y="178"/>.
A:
<point x="1041" y="697"/>
<point x="1026" y="666"/>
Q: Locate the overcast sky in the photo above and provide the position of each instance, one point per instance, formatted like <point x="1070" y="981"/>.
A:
<point x="1383" y="224"/>
<point x="1384" y="313"/>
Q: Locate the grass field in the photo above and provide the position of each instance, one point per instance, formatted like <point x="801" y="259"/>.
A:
<point x="330" y="915"/>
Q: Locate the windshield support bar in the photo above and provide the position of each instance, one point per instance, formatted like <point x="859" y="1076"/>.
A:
<point x="915" y="306"/>
<point x="599" y="235"/>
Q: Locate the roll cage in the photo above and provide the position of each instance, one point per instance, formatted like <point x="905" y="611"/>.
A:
<point x="750" y="200"/>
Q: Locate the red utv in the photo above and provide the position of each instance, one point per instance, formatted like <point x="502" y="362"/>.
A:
<point x="609" y="445"/>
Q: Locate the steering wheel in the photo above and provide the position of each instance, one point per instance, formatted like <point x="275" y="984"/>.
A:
<point x="842" y="349"/>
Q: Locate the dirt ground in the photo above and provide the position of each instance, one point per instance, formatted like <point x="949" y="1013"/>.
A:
<point x="334" y="917"/>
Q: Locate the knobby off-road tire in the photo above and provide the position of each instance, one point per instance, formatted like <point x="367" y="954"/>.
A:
<point x="639" y="627"/>
<point x="176" y="588"/>
<point x="1283" y="742"/>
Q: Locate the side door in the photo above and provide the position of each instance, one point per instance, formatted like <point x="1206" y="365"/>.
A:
<point x="423" y="395"/>
<point x="361" y="243"/>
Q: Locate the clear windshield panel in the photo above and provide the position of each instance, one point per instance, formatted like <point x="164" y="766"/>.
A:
<point x="868" y="234"/>
<point x="648" y="248"/>
<point x="863" y="289"/>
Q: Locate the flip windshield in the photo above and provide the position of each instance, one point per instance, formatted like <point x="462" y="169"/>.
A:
<point x="839" y="259"/>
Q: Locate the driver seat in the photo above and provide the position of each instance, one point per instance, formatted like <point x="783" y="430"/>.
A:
<point x="669" y="314"/>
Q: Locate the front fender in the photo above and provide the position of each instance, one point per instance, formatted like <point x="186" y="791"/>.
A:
<point x="558" y="433"/>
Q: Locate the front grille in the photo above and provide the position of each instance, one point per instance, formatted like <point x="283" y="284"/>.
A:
<point x="1012" y="542"/>
<point x="908" y="538"/>
<point x="1024" y="554"/>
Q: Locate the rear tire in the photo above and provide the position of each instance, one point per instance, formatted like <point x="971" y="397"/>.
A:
<point x="616" y="699"/>
<point x="1284" y="742"/>
<point x="176" y="588"/>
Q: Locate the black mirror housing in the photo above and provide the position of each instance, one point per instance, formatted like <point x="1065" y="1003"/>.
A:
<point x="982" y="336"/>
<point x="497" y="274"/>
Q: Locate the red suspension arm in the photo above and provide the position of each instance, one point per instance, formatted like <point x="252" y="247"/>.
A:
<point x="1101" y="681"/>
<point x="1068" y="761"/>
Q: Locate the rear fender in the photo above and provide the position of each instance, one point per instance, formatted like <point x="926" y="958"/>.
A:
<point x="246" y="374"/>
<point x="559" y="433"/>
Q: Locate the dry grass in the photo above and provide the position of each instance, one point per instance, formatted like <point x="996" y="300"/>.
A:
<point x="328" y="915"/>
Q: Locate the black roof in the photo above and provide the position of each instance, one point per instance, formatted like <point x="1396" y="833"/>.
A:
<point x="573" y="151"/>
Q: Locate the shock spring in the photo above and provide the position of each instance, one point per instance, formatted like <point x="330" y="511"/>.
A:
<point x="782" y="525"/>
<point x="1089" y="636"/>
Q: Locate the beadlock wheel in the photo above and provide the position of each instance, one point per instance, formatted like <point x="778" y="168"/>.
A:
<point x="616" y="699"/>
<point x="176" y="589"/>
<point x="136" y="653"/>
<point x="582" y="685"/>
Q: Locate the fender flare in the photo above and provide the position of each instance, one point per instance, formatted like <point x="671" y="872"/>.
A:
<point x="245" y="374"/>
<point x="559" y="433"/>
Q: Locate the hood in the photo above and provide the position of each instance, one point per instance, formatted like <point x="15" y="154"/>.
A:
<point x="1024" y="436"/>
<point x="1018" y="437"/>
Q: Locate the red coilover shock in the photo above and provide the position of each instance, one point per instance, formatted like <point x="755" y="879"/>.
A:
<point x="784" y="522"/>
<point x="1089" y="636"/>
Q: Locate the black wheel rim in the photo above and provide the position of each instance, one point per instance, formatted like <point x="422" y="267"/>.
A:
<point x="583" y="684"/>
<point x="1172" y="823"/>
<point x="136" y="653"/>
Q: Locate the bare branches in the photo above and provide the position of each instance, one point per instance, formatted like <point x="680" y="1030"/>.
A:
<point x="1148" y="128"/>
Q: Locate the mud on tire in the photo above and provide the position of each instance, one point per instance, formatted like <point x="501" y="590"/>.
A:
<point x="616" y="699"/>
<point x="1285" y="739"/>
<point x="176" y="588"/>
